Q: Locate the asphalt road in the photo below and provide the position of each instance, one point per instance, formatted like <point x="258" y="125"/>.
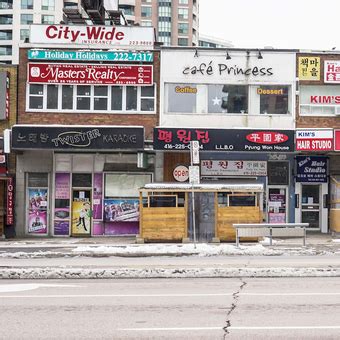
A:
<point x="272" y="308"/>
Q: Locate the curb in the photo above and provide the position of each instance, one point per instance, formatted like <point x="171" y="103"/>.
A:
<point x="145" y="273"/>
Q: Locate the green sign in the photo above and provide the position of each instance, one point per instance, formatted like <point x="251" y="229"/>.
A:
<point x="89" y="55"/>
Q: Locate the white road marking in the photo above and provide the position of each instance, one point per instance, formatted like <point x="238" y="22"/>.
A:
<point x="157" y="329"/>
<point x="28" y="286"/>
<point x="147" y="295"/>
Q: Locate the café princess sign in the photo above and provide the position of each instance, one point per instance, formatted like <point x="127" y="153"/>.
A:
<point x="76" y="137"/>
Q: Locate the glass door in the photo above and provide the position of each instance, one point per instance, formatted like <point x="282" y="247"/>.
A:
<point x="277" y="205"/>
<point x="310" y="205"/>
<point x="81" y="212"/>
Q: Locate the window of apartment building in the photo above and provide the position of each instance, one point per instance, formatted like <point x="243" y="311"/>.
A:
<point x="183" y="28"/>
<point x="181" y="98"/>
<point x="164" y="27"/>
<point x="165" y="40"/>
<point x="5" y="35"/>
<point x="146" y="12"/>
<point x="26" y="4"/>
<point x="6" y="19"/>
<point x="183" y="13"/>
<point x="183" y="2"/>
<point x="84" y="98"/>
<point x="24" y="33"/>
<point x="26" y="19"/>
<point x="5" y="50"/>
<point x="147" y="1"/>
<point x="48" y="5"/>
<point x="6" y="4"/>
<point x="227" y="99"/>
<point x="273" y="99"/>
<point x="183" y="41"/>
<point x="164" y="11"/>
<point x="127" y="9"/>
<point x="47" y="19"/>
<point x="319" y="100"/>
<point x="146" y="23"/>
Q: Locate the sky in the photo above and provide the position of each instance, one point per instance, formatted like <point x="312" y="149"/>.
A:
<point x="292" y="24"/>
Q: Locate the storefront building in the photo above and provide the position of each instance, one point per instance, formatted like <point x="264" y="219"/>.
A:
<point x="84" y="133"/>
<point x="240" y="106"/>
<point x="318" y="162"/>
<point x="8" y="114"/>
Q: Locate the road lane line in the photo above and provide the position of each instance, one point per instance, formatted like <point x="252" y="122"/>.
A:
<point x="157" y="329"/>
<point x="164" y="295"/>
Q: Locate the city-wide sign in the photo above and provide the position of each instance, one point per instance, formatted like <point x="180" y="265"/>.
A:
<point x="314" y="140"/>
<point x="90" y="74"/>
<point x="89" y="55"/>
<point x="76" y="137"/>
<point x="133" y="37"/>
<point x="311" y="169"/>
<point x="173" y="139"/>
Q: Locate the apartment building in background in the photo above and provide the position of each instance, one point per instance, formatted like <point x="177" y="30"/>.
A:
<point x="176" y="22"/>
<point x="15" y="18"/>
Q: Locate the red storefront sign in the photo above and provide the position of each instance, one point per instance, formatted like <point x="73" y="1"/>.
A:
<point x="90" y="74"/>
<point x="314" y="140"/>
<point x="337" y="140"/>
<point x="10" y="202"/>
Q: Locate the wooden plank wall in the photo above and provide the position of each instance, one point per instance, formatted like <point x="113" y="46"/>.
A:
<point x="226" y="216"/>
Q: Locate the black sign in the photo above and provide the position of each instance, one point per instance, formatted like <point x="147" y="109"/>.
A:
<point x="278" y="173"/>
<point x="311" y="169"/>
<point x="76" y="137"/>
<point x="172" y="139"/>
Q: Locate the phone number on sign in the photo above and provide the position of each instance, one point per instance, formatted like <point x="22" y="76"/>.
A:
<point x="176" y="146"/>
<point x="136" y="42"/>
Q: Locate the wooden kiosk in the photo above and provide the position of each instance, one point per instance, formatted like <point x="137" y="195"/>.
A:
<point x="166" y="210"/>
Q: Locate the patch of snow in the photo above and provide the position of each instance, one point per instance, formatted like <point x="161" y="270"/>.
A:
<point x="7" y="288"/>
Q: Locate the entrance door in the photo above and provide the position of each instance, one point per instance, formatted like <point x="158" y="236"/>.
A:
<point x="310" y="205"/>
<point x="277" y="204"/>
<point x="81" y="212"/>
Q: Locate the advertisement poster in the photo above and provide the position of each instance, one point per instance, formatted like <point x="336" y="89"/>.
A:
<point x="37" y="199"/>
<point x="62" y="186"/>
<point x="37" y="221"/>
<point x="81" y="217"/>
<point x="277" y="218"/>
<point x="98" y="196"/>
<point x="61" y="228"/>
<point x="121" y="210"/>
<point x="309" y="68"/>
<point x="311" y="169"/>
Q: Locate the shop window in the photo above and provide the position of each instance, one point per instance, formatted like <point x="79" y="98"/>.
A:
<point x="37" y="179"/>
<point x="116" y="98"/>
<point x="52" y="96"/>
<point x="90" y="97"/>
<point x="227" y="99"/>
<point x="67" y="97"/>
<point x="161" y="201"/>
<point x="319" y="100"/>
<point x="147" y="98"/>
<point x="81" y="180"/>
<point x="100" y="97"/>
<point x="83" y="97"/>
<point x="131" y="98"/>
<point x="182" y="98"/>
<point x="273" y="99"/>
<point x="242" y="201"/>
<point x="36" y="96"/>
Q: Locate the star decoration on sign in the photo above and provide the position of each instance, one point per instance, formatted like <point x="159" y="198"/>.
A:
<point x="216" y="101"/>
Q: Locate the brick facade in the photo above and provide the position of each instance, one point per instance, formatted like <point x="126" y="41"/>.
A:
<point x="146" y="120"/>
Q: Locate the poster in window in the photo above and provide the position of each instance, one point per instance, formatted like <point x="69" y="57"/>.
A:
<point x="121" y="210"/>
<point x="37" y="199"/>
<point x="37" y="222"/>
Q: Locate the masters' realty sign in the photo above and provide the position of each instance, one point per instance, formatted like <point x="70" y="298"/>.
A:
<point x="122" y="36"/>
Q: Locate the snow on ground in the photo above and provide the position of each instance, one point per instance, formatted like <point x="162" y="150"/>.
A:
<point x="136" y="273"/>
<point x="201" y="249"/>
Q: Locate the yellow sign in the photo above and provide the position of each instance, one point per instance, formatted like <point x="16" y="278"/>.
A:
<point x="185" y="89"/>
<point x="270" y="91"/>
<point x="309" y="68"/>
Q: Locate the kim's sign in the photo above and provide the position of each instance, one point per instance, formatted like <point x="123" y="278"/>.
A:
<point x="77" y="137"/>
<point x="311" y="169"/>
